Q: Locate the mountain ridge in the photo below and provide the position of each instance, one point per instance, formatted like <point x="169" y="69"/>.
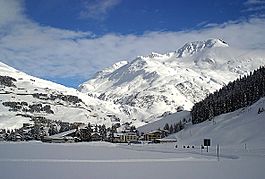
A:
<point x="157" y="83"/>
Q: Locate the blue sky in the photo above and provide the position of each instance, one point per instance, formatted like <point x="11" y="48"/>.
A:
<point x="135" y="16"/>
<point x="67" y="41"/>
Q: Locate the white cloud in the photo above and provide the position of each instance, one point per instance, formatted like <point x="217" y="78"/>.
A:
<point x="254" y="2"/>
<point x="255" y="6"/>
<point x="97" y="9"/>
<point x="51" y="52"/>
<point x="11" y="11"/>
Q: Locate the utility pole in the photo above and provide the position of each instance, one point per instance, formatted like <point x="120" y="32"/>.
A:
<point x="218" y="152"/>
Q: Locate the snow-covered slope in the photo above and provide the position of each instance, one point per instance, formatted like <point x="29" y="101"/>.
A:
<point x="23" y="98"/>
<point x="244" y="126"/>
<point x="193" y="47"/>
<point x="160" y="122"/>
<point x="151" y="85"/>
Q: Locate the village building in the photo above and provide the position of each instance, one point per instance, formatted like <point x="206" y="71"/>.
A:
<point x="156" y="134"/>
<point x="63" y="137"/>
<point x="125" y="137"/>
<point x="128" y="137"/>
<point x="116" y="138"/>
<point x="95" y="136"/>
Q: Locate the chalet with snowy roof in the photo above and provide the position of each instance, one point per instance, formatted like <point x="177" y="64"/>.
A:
<point x="63" y="137"/>
<point x="95" y="136"/>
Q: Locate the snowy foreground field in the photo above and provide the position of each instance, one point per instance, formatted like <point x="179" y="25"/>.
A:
<point x="37" y="160"/>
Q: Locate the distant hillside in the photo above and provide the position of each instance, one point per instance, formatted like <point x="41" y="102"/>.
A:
<point x="25" y="99"/>
<point x="235" y="95"/>
<point x="232" y="115"/>
<point x="243" y="126"/>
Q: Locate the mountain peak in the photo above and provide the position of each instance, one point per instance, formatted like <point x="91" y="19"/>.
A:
<point x="111" y="69"/>
<point x="192" y="47"/>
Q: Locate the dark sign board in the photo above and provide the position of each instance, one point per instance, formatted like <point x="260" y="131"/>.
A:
<point x="207" y="142"/>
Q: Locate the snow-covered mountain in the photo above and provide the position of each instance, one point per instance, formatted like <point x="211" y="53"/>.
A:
<point x="136" y="92"/>
<point x="154" y="84"/>
<point x="24" y="98"/>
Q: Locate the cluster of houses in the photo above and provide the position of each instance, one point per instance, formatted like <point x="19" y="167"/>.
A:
<point x="156" y="136"/>
<point x="79" y="132"/>
<point x="17" y="134"/>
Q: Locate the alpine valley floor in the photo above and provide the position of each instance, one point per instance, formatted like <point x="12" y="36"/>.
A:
<point x="119" y="161"/>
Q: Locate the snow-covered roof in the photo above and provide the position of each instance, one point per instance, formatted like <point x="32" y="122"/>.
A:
<point x="154" y="131"/>
<point x="82" y="126"/>
<point x="95" y="133"/>
<point x="118" y="134"/>
<point x="63" y="134"/>
<point x="121" y="134"/>
<point x="167" y="140"/>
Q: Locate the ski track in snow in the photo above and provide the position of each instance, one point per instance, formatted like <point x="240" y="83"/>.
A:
<point x="107" y="161"/>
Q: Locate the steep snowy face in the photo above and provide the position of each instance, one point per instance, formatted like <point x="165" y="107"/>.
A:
<point x="198" y="46"/>
<point x="111" y="69"/>
<point x="87" y="87"/>
<point x="24" y="99"/>
<point x="152" y="85"/>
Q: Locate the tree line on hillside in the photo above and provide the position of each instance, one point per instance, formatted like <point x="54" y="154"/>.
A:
<point x="176" y="127"/>
<point x="235" y="95"/>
